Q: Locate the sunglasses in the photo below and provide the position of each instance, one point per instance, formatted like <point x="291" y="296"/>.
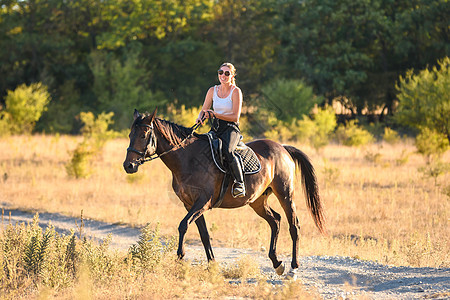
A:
<point x="221" y="72"/>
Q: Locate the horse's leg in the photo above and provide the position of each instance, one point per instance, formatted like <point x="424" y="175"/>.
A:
<point x="196" y="211"/>
<point x="261" y="207"/>
<point x="204" y="235"/>
<point x="286" y="201"/>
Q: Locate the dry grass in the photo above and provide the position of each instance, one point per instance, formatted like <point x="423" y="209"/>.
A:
<point x="378" y="206"/>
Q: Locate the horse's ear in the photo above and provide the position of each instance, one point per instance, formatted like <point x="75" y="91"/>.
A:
<point x="153" y="115"/>
<point x="136" y="114"/>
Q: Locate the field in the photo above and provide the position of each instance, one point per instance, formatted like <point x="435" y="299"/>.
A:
<point x="378" y="205"/>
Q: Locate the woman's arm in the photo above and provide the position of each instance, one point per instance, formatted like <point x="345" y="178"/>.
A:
<point x="206" y="105"/>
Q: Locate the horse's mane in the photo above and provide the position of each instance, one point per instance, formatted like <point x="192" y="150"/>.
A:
<point x="173" y="133"/>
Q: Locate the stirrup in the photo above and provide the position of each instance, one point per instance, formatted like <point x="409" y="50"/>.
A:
<point x="238" y="189"/>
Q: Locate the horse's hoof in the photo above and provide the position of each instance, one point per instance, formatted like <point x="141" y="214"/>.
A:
<point x="292" y="274"/>
<point x="280" y="269"/>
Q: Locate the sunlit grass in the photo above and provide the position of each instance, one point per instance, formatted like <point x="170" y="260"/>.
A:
<point x="37" y="263"/>
<point x="376" y="208"/>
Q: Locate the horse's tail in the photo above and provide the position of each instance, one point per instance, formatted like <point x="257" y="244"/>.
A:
<point x="309" y="183"/>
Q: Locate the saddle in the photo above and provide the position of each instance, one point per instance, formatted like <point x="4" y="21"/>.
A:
<point x="250" y="163"/>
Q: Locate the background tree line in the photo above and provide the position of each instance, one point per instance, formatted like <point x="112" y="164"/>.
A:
<point x="117" y="55"/>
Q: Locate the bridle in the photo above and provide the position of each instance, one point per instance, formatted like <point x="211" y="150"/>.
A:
<point x="151" y="144"/>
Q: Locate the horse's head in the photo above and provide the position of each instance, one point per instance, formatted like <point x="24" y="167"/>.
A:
<point x="142" y="141"/>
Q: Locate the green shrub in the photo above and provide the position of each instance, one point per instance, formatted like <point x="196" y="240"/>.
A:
<point x="390" y="136"/>
<point x="102" y="264"/>
<point x="31" y="257"/>
<point x="315" y="131"/>
<point x="95" y="129"/>
<point x="13" y="240"/>
<point x="5" y="121"/>
<point x="29" y="253"/>
<point x="289" y="99"/>
<point x="424" y="99"/>
<point x="325" y="123"/>
<point x="280" y="132"/>
<point x="185" y="116"/>
<point x="403" y="159"/>
<point x="304" y="129"/>
<point x="351" y="134"/>
<point x="271" y="127"/>
<point x="95" y="134"/>
<point x="434" y="170"/>
<point x="246" y="128"/>
<point x="79" y="165"/>
<point x="181" y="115"/>
<point x="149" y="250"/>
<point x="24" y="107"/>
<point x="431" y="144"/>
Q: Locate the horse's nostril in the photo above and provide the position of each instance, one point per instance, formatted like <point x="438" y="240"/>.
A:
<point x="129" y="167"/>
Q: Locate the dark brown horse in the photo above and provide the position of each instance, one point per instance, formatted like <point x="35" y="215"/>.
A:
<point x="196" y="180"/>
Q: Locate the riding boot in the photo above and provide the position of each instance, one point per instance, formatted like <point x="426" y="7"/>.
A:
<point x="238" y="189"/>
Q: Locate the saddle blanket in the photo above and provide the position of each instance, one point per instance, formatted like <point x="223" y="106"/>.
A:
<point x="249" y="161"/>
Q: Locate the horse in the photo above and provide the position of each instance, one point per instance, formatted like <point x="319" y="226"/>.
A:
<point x="197" y="181"/>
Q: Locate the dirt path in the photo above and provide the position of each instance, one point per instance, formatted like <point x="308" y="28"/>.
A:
<point x="333" y="277"/>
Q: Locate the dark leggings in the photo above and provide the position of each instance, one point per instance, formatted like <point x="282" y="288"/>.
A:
<point x="230" y="135"/>
<point x="230" y="138"/>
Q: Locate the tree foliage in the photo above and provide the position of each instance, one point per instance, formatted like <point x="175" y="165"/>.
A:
<point x="424" y="99"/>
<point x="431" y="144"/>
<point x="357" y="49"/>
<point x="24" y="107"/>
<point x="121" y="84"/>
<point x="171" y="49"/>
<point x="288" y="98"/>
<point x="96" y="133"/>
<point x="350" y="134"/>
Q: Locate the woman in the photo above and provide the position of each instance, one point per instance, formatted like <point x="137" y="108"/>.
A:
<point x="226" y="102"/>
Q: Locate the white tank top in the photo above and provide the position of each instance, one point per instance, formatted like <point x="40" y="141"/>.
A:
<point x="223" y="105"/>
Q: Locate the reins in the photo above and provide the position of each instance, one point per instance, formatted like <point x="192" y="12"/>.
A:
<point x="143" y="159"/>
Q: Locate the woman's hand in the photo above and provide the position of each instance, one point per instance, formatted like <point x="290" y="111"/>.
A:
<point x="209" y="114"/>
<point x="200" y="119"/>
<point x="205" y="114"/>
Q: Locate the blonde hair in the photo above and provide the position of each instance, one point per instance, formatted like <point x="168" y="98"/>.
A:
<point x="232" y="69"/>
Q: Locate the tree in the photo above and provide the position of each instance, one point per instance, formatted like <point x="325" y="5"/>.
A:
<point x="24" y="107"/>
<point x="289" y="99"/>
<point x="424" y="99"/>
<point x="357" y="49"/>
<point x="243" y="32"/>
<point x="122" y="84"/>
<point x="184" y="69"/>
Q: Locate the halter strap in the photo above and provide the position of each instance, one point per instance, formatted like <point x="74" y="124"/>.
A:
<point x="137" y="151"/>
